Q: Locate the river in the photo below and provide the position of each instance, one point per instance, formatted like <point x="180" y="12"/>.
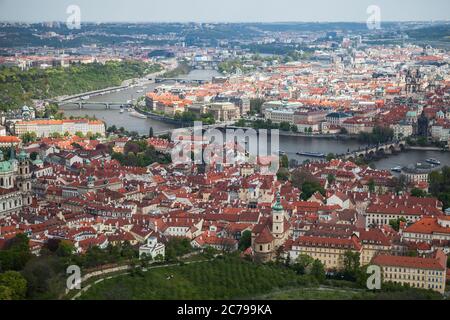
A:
<point x="288" y="144"/>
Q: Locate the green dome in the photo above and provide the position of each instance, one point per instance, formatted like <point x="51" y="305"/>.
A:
<point x="277" y="206"/>
<point x="22" y="155"/>
<point x="5" y="166"/>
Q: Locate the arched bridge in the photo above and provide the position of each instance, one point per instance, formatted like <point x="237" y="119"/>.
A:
<point x="385" y="148"/>
<point x="180" y="80"/>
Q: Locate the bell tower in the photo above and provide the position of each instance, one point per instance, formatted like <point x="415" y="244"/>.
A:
<point x="24" y="177"/>
<point x="278" y="218"/>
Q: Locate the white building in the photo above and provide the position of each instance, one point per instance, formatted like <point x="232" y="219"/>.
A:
<point x="44" y="128"/>
<point x="402" y="130"/>
<point x="152" y="248"/>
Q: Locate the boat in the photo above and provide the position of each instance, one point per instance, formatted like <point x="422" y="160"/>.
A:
<point x="139" y="91"/>
<point x="130" y="109"/>
<point x="433" y="161"/>
<point x="311" y="154"/>
<point x="281" y="153"/>
<point x="121" y="110"/>
<point x="396" y="169"/>
<point x="85" y="98"/>
<point x="138" y="115"/>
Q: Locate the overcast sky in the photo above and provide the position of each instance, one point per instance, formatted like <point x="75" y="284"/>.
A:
<point x="223" y="10"/>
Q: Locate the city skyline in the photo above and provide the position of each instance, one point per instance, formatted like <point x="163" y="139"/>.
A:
<point x="233" y="11"/>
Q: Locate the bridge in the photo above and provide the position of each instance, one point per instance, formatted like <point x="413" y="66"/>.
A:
<point x="75" y="97"/>
<point x="108" y="105"/>
<point x="180" y="80"/>
<point x="370" y="151"/>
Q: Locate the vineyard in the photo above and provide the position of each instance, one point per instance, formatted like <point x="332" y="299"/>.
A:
<point x="223" y="278"/>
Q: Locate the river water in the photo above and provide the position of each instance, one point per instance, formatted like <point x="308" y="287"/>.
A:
<point x="288" y="144"/>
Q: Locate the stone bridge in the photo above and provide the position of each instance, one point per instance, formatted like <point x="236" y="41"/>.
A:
<point x="380" y="149"/>
<point x="84" y="104"/>
<point x="180" y="80"/>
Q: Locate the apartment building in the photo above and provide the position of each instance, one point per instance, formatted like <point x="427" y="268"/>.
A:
<point x="278" y="115"/>
<point x="44" y="128"/>
<point x="330" y="251"/>
<point x="428" y="229"/>
<point x="418" y="272"/>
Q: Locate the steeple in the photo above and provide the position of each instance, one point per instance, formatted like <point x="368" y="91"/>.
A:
<point x="278" y="218"/>
<point x="277" y="206"/>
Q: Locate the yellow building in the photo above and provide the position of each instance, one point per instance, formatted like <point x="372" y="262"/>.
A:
<point x="330" y="251"/>
<point x="418" y="272"/>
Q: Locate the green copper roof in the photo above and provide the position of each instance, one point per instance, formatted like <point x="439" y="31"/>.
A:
<point x="22" y="155"/>
<point x="277" y="206"/>
<point x="5" y="166"/>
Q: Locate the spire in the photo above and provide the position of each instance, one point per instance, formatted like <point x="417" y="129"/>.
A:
<point x="277" y="206"/>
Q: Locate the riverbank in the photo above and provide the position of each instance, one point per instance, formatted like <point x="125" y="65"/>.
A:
<point x="428" y="148"/>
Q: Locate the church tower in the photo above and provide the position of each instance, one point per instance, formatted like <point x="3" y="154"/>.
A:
<point x="24" y="177"/>
<point x="278" y="219"/>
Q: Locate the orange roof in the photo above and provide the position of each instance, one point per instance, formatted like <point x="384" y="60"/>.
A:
<point x="409" y="262"/>
<point x="9" y="139"/>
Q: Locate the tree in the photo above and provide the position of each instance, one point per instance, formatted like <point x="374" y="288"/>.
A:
<point x="16" y="282"/>
<point x="302" y="175"/>
<point x="399" y="184"/>
<point x="255" y="105"/>
<point x="150" y="132"/>
<point x="395" y="223"/>
<point x="330" y="156"/>
<point x="283" y="174"/>
<point x="371" y="185"/>
<point x="294" y="128"/>
<point x="28" y="137"/>
<point x="245" y="241"/>
<point x="79" y="134"/>
<point x="284" y="161"/>
<point x="6" y="293"/>
<point x="318" y="270"/>
<point x="351" y="265"/>
<point x="285" y="126"/>
<point x="17" y="254"/>
<point x="331" y="178"/>
<point x="303" y="264"/>
<point x="309" y="188"/>
<point x="65" y="249"/>
<point x="416" y="192"/>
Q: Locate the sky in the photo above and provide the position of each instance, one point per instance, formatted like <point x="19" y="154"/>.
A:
<point x="223" y="10"/>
